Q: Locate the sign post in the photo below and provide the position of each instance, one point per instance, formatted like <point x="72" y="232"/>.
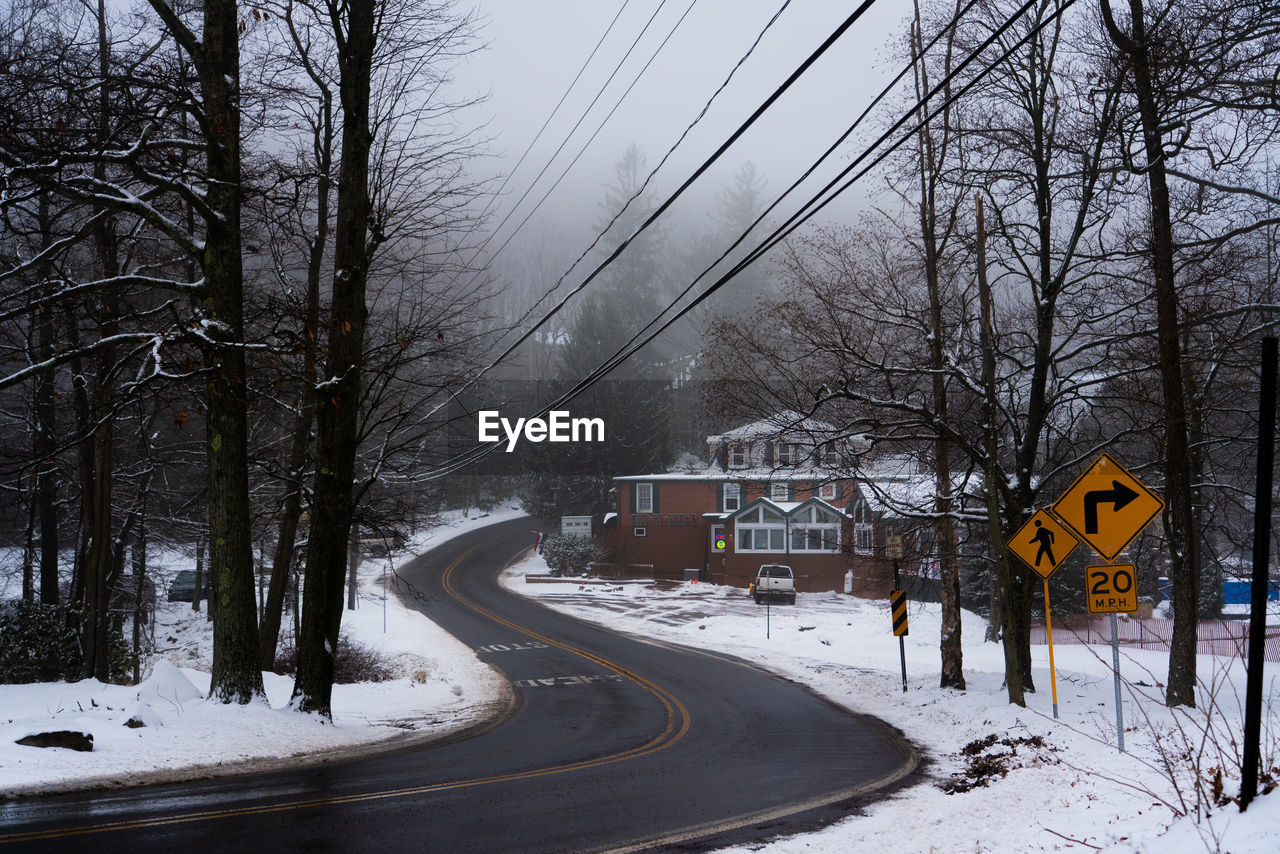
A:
<point x="1108" y="507"/>
<point x="1042" y="543"/>
<point x="1113" y="589"/>
<point x="898" y="604"/>
<point x="898" y="601"/>
<point x="1115" y="670"/>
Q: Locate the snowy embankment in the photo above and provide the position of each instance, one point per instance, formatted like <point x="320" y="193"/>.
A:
<point x="441" y="687"/>
<point x="1022" y="781"/>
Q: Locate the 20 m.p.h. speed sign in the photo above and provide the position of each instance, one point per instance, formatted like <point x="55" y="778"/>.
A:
<point x="1111" y="589"/>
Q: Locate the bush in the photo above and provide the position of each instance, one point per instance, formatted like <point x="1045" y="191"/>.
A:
<point x="354" y="662"/>
<point x="38" y="643"/>
<point x="41" y="643"/>
<point x="568" y="555"/>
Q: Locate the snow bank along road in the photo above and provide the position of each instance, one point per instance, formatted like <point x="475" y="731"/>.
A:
<point x="610" y="742"/>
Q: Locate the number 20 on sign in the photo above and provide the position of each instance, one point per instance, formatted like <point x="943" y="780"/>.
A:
<point x="1111" y="589"/>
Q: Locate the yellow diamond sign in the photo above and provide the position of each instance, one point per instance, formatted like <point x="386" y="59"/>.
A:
<point x="1043" y="543"/>
<point x="1107" y="507"/>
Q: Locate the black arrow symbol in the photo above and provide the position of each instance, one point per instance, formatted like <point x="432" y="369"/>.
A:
<point x="1118" y="494"/>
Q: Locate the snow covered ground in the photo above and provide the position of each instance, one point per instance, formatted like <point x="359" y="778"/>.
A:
<point x="1053" y="785"/>
<point x="441" y="687"/>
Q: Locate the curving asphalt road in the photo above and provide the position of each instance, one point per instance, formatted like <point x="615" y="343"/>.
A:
<point x="610" y="743"/>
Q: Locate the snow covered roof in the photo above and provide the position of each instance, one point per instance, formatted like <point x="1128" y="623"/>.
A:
<point x="788" y="424"/>
<point x="896" y="485"/>
<point x="758" y="473"/>
<point x="786" y="508"/>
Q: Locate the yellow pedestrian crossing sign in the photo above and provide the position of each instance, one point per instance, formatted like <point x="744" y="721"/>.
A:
<point x="1107" y="507"/>
<point x="1043" y="543"/>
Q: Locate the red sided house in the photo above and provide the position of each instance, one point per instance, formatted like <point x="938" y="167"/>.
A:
<point x="772" y="491"/>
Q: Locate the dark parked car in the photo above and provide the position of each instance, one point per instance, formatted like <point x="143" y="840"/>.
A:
<point x="183" y="587"/>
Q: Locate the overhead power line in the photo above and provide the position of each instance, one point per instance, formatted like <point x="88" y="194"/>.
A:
<point x="830" y="190"/>
<point x="582" y="150"/>
<point x="671" y="200"/>
<point x="582" y="118"/>
<point x="639" y="190"/>
<point x="815" y="204"/>
<point x="537" y="136"/>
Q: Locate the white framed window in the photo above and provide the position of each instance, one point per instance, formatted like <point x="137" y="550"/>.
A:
<point x="757" y="539"/>
<point x="815" y="530"/>
<point x="827" y="492"/>
<point x="786" y="453"/>
<point x="761" y="530"/>
<point x="738" y="455"/>
<point x="829" y="454"/>
<point x="863" y="542"/>
<point x="640" y="532"/>
<point x="732" y="497"/>
<point x="717" y="534"/>
<point x="644" y="499"/>
<point x="780" y="491"/>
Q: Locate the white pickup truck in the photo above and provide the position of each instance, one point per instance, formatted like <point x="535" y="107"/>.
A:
<point x="774" y="581"/>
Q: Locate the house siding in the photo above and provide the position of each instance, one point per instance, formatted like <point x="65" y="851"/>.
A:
<point x="679" y="538"/>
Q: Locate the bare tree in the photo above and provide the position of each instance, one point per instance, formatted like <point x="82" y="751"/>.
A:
<point x="1182" y="64"/>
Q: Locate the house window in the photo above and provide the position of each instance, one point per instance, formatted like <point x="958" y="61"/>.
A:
<point x="827" y="492"/>
<point x="732" y="497"/>
<point x="815" y="530"/>
<point x="830" y="454"/>
<point x="738" y="455"/>
<point x="761" y="530"/>
<point x="640" y="532"/>
<point x="717" y="537"/>
<point x="786" y="453"/>
<point x="762" y="539"/>
<point x="644" y="499"/>
<point x="862" y="541"/>
<point x="780" y="491"/>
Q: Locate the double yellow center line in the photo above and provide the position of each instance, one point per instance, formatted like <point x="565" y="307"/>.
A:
<point x="677" y="725"/>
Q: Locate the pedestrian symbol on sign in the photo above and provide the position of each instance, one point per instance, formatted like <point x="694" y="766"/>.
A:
<point x="1043" y="543"/>
<point x="1045" y="538"/>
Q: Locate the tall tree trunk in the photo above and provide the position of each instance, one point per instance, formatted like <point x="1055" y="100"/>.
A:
<point x="29" y="547"/>
<point x="97" y="569"/>
<point x="950" y="641"/>
<point x="236" y="677"/>
<point x="291" y="509"/>
<point x="216" y="55"/>
<point x="199" y="592"/>
<point x="338" y="403"/>
<point x="1184" y="549"/>
<point x="46" y="434"/>
<point x="139" y="582"/>
<point x="84" y="468"/>
<point x="991" y="441"/>
<point x="353" y="566"/>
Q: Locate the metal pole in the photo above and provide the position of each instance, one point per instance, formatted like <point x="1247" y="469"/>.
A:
<point x="1053" y="673"/>
<point x="902" y="647"/>
<point x="1251" y="759"/>
<point x="1115" y="668"/>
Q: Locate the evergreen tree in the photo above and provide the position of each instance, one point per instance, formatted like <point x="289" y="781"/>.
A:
<point x="634" y="399"/>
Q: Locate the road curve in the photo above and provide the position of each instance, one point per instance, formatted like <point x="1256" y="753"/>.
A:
<point x="611" y="743"/>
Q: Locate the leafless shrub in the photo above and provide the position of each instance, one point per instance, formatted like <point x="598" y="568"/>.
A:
<point x="354" y="662"/>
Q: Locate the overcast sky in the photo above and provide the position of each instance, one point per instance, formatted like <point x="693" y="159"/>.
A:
<point x="534" y="49"/>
